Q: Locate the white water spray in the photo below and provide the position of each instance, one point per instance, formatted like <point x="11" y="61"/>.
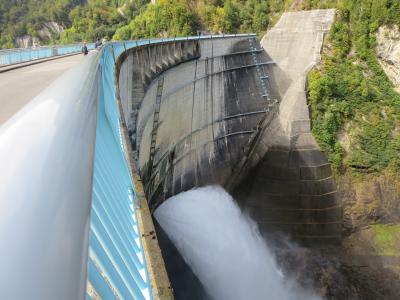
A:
<point x="223" y="247"/>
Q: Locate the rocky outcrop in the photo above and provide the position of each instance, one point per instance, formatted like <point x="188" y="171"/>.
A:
<point x="25" y="41"/>
<point x="48" y="29"/>
<point x="44" y="35"/>
<point x="388" y="52"/>
<point x="368" y="200"/>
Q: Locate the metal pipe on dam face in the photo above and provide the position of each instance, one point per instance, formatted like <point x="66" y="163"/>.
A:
<point x="200" y="112"/>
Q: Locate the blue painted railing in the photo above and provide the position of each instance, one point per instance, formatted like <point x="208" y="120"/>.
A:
<point x="116" y="267"/>
<point x="18" y="55"/>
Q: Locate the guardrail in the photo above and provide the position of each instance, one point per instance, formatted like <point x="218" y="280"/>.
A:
<point x="46" y="159"/>
<point x="18" y="55"/>
<point x="117" y="269"/>
<point x="68" y="226"/>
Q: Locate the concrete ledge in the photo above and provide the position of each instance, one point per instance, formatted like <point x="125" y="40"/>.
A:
<point x="317" y="187"/>
<point x="307" y="158"/>
<point x="320" y="172"/>
<point x="281" y="201"/>
<point x="160" y="285"/>
<point x="304" y="229"/>
<point x="295" y="187"/>
<point x="327" y="215"/>
<point x="317" y="241"/>
<point x="315" y="172"/>
<point x="280" y="172"/>
<point x="295" y="158"/>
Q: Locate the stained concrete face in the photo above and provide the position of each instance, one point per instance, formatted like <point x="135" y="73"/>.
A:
<point x="191" y="119"/>
<point x="295" y="44"/>
<point x="294" y="190"/>
<point x="224" y="111"/>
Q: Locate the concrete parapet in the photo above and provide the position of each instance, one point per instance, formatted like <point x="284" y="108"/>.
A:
<point x="160" y="284"/>
<point x="295" y="201"/>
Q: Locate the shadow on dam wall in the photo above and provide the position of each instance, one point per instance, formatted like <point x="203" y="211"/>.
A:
<point x="201" y="112"/>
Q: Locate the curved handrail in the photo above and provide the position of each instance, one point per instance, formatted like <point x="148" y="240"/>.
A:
<point x="46" y="159"/>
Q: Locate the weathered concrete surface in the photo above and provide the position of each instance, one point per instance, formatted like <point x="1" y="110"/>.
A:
<point x="295" y="43"/>
<point x="18" y="87"/>
<point x="294" y="190"/>
<point x="192" y="107"/>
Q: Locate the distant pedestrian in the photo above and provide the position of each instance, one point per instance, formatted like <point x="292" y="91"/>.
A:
<point x="97" y="44"/>
<point x="85" y="49"/>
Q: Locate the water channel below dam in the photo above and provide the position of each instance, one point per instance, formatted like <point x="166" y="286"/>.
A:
<point x="227" y="256"/>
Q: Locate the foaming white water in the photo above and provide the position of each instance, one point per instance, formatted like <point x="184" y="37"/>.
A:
<point x="223" y="247"/>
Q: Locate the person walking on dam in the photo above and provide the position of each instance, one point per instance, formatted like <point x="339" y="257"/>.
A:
<point x="98" y="44"/>
<point x="85" y="49"/>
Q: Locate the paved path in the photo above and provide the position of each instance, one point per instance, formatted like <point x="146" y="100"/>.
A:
<point x="19" y="86"/>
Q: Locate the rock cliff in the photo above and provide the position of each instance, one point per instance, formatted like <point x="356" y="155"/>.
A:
<point x="388" y="52"/>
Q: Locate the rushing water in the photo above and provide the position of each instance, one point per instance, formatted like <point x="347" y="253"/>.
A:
<point x="223" y="247"/>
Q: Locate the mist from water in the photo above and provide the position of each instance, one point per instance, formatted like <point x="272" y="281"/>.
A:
<point x="224" y="248"/>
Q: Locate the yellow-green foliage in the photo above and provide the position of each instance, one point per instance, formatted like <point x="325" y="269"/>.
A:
<point x="82" y="19"/>
<point x="165" y="18"/>
<point x="387" y="239"/>
<point x="132" y="19"/>
<point x="351" y="85"/>
<point x="21" y="17"/>
<point x="235" y="16"/>
<point x="100" y="18"/>
<point x="183" y="17"/>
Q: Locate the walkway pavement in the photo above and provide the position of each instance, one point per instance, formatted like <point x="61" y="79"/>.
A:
<point x="19" y="86"/>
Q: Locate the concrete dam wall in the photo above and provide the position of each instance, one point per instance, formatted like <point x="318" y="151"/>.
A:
<point x="191" y="111"/>
<point x="223" y="110"/>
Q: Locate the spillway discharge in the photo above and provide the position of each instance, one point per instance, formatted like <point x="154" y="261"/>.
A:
<point x="224" y="248"/>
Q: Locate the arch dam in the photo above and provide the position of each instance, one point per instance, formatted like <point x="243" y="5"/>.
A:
<point x="96" y="152"/>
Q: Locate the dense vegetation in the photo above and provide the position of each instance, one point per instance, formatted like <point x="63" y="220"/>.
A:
<point x="165" y="18"/>
<point x="21" y="17"/>
<point x="350" y="93"/>
<point x="130" y="19"/>
<point x="100" y="18"/>
<point x="83" y="20"/>
<point x="182" y="17"/>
